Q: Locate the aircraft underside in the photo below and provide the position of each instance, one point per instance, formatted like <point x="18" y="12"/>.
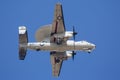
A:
<point x="54" y="38"/>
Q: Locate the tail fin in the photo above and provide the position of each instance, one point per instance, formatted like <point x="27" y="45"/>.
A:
<point x="23" y="40"/>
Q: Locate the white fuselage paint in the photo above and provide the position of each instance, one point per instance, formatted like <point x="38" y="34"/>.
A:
<point x="68" y="46"/>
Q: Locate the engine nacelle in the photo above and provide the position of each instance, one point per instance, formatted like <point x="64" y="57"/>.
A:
<point x="68" y="34"/>
<point x="69" y="54"/>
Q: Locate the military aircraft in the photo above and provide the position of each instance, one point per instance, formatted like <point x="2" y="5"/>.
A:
<point x="56" y="39"/>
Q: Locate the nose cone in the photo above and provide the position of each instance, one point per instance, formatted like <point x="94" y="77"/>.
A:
<point x="93" y="45"/>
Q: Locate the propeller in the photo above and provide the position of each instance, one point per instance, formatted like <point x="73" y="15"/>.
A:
<point x="74" y="33"/>
<point x="73" y="52"/>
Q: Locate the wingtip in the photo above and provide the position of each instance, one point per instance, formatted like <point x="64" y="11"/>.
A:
<point x="58" y="3"/>
<point x="56" y="76"/>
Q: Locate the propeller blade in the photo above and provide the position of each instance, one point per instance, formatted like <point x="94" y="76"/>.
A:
<point x="74" y="33"/>
<point x="73" y="54"/>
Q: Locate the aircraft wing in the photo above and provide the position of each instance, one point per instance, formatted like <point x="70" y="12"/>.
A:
<point x="56" y="62"/>
<point x="58" y="26"/>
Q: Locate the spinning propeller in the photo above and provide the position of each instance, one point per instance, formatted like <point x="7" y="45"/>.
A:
<point x="73" y="52"/>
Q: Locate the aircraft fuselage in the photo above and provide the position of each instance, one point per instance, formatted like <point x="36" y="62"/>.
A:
<point x="68" y="46"/>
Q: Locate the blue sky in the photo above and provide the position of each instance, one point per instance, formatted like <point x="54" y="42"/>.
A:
<point x="97" y="21"/>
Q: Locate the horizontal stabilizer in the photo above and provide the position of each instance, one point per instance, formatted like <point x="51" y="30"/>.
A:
<point x="22" y="53"/>
<point x="23" y="40"/>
